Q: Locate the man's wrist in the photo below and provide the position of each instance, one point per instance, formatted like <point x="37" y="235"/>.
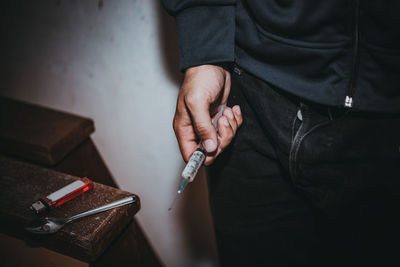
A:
<point x="221" y="66"/>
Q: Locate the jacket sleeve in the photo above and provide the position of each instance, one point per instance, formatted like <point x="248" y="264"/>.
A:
<point x="206" y="30"/>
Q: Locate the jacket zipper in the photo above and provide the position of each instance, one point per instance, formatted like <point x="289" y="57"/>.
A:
<point x="348" y="102"/>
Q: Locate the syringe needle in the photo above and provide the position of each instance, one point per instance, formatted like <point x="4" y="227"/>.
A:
<point x="180" y="190"/>
<point x="173" y="201"/>
<point x="183" y="184"/>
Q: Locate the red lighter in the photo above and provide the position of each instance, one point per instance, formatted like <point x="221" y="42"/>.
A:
<point x="62" y="195"/>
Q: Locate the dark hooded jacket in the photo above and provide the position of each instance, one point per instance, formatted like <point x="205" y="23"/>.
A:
<point x="334" y="52"/>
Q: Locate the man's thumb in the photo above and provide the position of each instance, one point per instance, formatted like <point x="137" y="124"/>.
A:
<point x="209" y="145"/>
<point x="206" y="131"/>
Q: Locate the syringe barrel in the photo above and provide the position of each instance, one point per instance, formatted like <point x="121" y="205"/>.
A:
<point x="194" y="164"/>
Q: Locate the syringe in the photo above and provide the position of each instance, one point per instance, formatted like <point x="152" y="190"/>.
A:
<point x="196" y="160"/>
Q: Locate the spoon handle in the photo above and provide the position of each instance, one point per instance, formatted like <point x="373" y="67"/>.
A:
<point x="108" y="206"/>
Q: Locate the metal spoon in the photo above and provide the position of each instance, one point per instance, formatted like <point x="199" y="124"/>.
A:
<point x="50" y="225"/>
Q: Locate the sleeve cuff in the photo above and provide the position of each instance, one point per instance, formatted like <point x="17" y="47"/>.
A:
<point x="206" y="35"/>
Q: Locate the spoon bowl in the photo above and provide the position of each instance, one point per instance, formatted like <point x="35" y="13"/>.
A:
<point x="45" y="225"/>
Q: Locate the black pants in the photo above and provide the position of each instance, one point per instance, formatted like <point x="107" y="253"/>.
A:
<point x="306" y="185"/>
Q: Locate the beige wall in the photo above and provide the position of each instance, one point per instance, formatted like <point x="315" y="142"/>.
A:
<point x="118" y="65"/>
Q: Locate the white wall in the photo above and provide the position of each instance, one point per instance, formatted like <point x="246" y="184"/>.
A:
<point x="118" y="65"/>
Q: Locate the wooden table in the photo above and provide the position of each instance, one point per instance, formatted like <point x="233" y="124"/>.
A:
<point x="85" y="239"/>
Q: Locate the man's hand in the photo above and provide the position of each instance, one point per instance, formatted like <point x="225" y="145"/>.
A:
<point x="204" y="89"/>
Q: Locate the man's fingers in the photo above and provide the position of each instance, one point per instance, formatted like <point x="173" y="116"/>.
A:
<point x="228" y="113"/>
<point x="226" y="131"/>
<point x="227" y="127"/>
<point x="237" y="112"/>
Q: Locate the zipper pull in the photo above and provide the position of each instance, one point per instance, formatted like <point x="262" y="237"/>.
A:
<point x="348" y="102"/>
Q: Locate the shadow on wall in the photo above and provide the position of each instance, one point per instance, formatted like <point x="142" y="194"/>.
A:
<point x="168" y="42"/>
<point x="193" y="211"/>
